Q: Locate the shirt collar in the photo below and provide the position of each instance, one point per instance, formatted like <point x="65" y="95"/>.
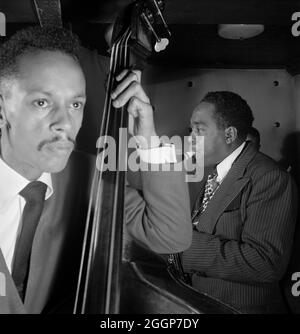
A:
<point x="47" y="179"/>
<point x="11" y="182"/>
<point x="224" y="166"/>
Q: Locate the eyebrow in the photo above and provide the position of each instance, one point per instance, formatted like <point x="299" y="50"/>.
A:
<point x="34" y="91"/>
<point x="80" y="96"/>
<point x="197" y="123"/>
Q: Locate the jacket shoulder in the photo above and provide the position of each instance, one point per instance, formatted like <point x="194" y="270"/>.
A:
<point x="262" y="164"/>
<point x="83" y="158"/>
<point x="80" y="161"/>
<point x="78" y="171"/>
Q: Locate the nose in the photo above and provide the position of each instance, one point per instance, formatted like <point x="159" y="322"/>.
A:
<point x="62" y="121"/>
<point x="193" y="135"/>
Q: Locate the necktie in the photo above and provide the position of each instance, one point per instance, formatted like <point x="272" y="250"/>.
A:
<point x="174" y="260"/>
<point x="210" y="188"/>
<point x="34" y="194"/>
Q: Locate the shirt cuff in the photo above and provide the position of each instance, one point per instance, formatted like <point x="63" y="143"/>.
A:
<point x="158" y="155"/>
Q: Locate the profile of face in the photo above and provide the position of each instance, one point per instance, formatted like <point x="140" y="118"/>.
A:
<point x="204" y="123"/>
<point x="42" y="113"/>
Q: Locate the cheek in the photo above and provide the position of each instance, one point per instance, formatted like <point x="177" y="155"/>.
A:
<point x="28" y="130"/>
<point x="80" y="120"/>
<point x="212" y="144"/>
<point x="77" y="122"/>
<point x="209" y="142"/>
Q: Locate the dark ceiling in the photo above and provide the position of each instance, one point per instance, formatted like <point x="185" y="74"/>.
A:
<point x="193" y="24"/>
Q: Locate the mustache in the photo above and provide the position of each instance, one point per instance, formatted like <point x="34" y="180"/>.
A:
<point x="55" y="140"/>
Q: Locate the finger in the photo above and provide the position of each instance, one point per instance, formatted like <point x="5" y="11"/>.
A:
<point x="131" y="77"/>
<point x="138" y="73"/>
<point x="133" y="90"/>
<point x="121" y="75"/>
<point x="135" y="106"/>
<point x="131" y="124"/>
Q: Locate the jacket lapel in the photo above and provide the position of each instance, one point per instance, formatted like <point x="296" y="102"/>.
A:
<point x="231" y="186"/>
<point x="46" y="249"/>
<point x="44" y="258"/>
<point x="57" y="233"/>
<point x="10" y="302"/>
<point x="199" y="197"/>
<point x="42" y="266"/>
<point x="57" y="244"/>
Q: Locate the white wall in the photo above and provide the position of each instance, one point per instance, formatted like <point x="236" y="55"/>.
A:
<point x="174" y="100"/>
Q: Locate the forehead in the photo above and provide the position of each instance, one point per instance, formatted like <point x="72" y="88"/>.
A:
<point x="50" y="70"/>
<point x="204" y="113"/>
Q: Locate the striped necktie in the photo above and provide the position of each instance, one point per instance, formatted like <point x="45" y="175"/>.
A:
<point x="201" y="203"/>
<point x="174" y="260"/>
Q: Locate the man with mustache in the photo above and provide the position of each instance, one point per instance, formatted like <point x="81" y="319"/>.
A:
<point x="42" y="98"/>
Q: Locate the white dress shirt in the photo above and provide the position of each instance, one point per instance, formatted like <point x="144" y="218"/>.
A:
<point x="11" y="207"/>
<point x="12" y="204"/>
<point x="158" y="155"/>
<point x="224" y="166"/>
<point x="167" y="154"/>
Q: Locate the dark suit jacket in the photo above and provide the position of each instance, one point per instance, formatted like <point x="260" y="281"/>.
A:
<point x="241" y="247"/>
<point x="151" y="218"/>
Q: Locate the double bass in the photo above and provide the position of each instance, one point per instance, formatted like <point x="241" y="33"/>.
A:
<point x="116" y="274"/>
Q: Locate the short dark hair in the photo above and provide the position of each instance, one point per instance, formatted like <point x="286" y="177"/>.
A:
<point x="34" y="39"/>
<point x="231" y="110"/>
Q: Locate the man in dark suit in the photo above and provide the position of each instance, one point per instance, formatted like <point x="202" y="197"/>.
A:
<point x="244" y="215"/>
<point x="42" y="97"/>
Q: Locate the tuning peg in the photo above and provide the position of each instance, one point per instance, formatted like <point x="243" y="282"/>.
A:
<point x="161" y="44"/>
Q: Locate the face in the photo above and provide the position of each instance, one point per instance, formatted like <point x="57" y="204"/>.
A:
<point x="203" y="123"/>
<point x="42" y="113"/>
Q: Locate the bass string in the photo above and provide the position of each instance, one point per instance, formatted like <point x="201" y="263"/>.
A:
<point x="111" y="267"/>
<point x="98" y="177"/>
<point x="92" y="202"/>
<point x="117" y="60"/>
<point x="121" y="46"/>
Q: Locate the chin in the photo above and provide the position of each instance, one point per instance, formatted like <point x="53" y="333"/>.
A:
<point x="55" y="162"/>
<point x="55" y="165"/>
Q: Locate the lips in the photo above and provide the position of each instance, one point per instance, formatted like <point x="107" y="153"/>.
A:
<point x="61" y="146"/>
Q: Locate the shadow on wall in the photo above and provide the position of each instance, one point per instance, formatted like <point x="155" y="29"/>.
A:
<point x="290" y="151"/>
<point x="290" y="162"/>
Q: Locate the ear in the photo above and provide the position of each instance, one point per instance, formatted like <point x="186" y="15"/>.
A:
<point x="3" y="120"/>
<point x="230" y="135"/>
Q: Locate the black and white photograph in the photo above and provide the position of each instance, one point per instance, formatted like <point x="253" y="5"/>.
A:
<point x="149" y="169"/>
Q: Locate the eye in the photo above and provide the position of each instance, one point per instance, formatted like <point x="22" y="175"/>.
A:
<point x="77" y="105"/>
<point x="41" y="103"/>
<point x="197" y="130"/>
<point x="200" y="129"/>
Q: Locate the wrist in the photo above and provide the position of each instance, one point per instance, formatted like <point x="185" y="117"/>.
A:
<point x="149" y="142"/>
<point x="164" y="153"/>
